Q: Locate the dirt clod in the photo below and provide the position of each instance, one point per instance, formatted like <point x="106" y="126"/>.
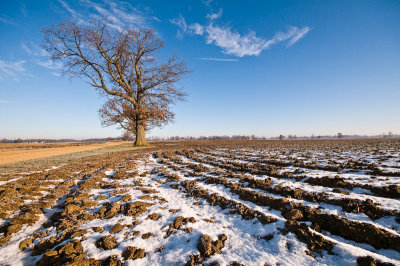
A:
<point x="133" y="253"/>
<point x="98" y="229"/>
<point x="117" y="228"/>
<point x="107" y="242"/>
<point x="370" y="261"/>
<point x="208" y="248"/>
<point x="147" y="235"/>
<point x="112" y="261"/>
<point x="292" y="214"/>
<point x="153" y="216"/>
<point x="71" y="248"/>
<point x="313" y="241"/>
<point x="25" y="243"/>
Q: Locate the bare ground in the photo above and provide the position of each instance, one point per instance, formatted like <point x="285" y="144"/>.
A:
<point x="220" y="203"/>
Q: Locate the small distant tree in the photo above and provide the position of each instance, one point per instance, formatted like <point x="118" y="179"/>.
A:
<point x="281" y="137"/>
<point x="126" y="136"/>
<point x="122" y="63"/>
<point x="340" y="135"/>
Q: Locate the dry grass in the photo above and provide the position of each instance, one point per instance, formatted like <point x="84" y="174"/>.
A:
<point x="48" y="162"/>
<point x="33" y="146"/>
<point x="12" y="154"/>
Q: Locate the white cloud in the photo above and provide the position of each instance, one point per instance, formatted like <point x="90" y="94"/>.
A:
<point x="299" y="33"/>
<point x="234" y="43"/>
<point x="208" y="2"/>
<point x="7" y="21"/>
<point x="12" y="69"/>
<point x="23" y="10"/>
<point x="26" y="48"/>
<point x="214" y="16"/>
<point x="196" y="28"/>
<point x="156" y="19"/>
<point x="217" y="59"/>
<point x="49" y="64"/>
<point x="291" y="36"/>
<point x="126" y="12"/>
<point x="42" y="57"/>
<point x="118" y="13"/>
<point x="73" y="13"/>
<point x="33" y="49"/>
<point x="4" y="101"/>
<point x="181" y="23"/>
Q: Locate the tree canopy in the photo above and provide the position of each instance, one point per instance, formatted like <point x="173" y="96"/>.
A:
<point x="124" y="64"/>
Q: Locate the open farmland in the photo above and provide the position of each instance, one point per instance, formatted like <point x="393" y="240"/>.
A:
<point x="12" y="153"/>
<point x="306" y="202"/>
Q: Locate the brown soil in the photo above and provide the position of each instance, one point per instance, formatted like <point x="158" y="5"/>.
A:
<point x="7" y="157"/>
<point x="132" y="253"/>
<point x="107" y="242"/>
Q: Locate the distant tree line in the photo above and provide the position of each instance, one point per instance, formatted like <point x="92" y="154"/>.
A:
<point x="233" y="137"/>
<point x="281" y="137"/>
<point x="128" y="136"/>
<point x="19" y="140"/>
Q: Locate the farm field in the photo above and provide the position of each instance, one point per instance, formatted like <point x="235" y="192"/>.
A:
<point x="300" y="202"/>
<point x="12" y="153"/>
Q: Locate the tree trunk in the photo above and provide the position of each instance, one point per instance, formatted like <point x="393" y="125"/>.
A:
<point x="140" y="135"/>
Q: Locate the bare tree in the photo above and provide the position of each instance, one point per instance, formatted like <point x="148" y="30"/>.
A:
<point x="126" y="136"/>
<point x="122" y="64"/>
<point x="118" y="111"/>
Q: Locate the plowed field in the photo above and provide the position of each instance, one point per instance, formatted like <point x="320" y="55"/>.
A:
<point x="320" y="202"/>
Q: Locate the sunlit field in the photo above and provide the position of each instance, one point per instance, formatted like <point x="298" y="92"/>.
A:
<point x="224" y="202"/>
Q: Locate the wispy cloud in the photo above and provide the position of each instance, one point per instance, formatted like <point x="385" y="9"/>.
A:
<point x="71" y="11"/>
<point x="23" y="9"/>
<point x="4" y="101"/>
<point x="7" y="21"/>
<point x="214" y="16"/>
<point x="117" y="13"/>
<point x="291" y="36"/>
<point x="42" y="57"/>
<point x="182" y="26"/>
<point x="208" y="2"/>
<point x="196" y="28"/>
<point x="298" y="34"/>
<point x="33" y="49"/>
<point x="26" y="48"/>
<point x="233" y="43"/>
<point x="12" y="69"/>
<point x="75" y="15"/>
<point x="217" y="59"/>
<point x="49" y="64"/>
<point x="156" y="19"/>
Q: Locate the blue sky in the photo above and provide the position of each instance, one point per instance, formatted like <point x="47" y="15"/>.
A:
<point x="259" y="67"/>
